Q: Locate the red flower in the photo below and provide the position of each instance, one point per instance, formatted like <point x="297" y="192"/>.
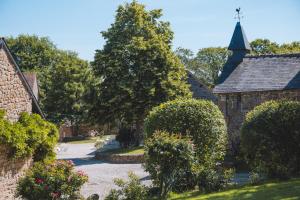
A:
<point x="46" y="187"/>
<point x="39" y="181"/>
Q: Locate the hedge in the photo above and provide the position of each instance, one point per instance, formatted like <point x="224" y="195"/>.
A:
<point x="270" y="139"/>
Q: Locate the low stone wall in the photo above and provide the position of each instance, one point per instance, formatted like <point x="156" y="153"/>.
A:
<point x="119" y="158"/>
<point x="10" y="172"/>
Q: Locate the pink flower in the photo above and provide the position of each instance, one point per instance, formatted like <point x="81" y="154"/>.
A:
<point x="39" y="181"/>
<point x="55" y="195"/>
<point x="81" y="173"/>
<point x="69" y="179"/>
<point x="70" y="162"/>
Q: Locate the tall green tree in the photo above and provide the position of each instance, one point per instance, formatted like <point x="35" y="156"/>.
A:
<point x="63" y="78"/>
<point x="137" y="67"/>
<point x="67" y="93"/>
<point x="206" y="64"/>
<point x="265" y="46"/>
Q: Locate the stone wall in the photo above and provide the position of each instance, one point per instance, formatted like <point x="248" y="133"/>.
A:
<point x="10" y="172"/>
<point x="235" y="106"/>
<point x="14" y="98"/>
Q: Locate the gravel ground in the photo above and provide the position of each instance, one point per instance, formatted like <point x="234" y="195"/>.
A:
<point x="100" y="174"/>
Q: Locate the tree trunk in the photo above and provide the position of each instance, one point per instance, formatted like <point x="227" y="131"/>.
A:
<point x="138" y="132"/>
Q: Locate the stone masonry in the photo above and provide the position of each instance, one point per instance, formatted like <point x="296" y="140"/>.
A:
<point x="235" y="106"/>
<point x="10" y="172"/>
<point x="14" y="98"/>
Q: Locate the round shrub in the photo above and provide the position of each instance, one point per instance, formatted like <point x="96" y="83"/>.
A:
<point x="53" y="181"/>
<point x="270" y="138"/>
<point x="200" y="119"/>
<point x="167" y="158"/>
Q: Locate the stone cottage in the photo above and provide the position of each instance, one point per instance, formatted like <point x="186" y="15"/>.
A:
<point x="247" y="81"/>
<point x="17" y="94"/>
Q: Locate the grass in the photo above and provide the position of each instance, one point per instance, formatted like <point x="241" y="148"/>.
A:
<point x="130" y="151"/>
<point x="84" y="141"/>
<point x="289" y="190"/>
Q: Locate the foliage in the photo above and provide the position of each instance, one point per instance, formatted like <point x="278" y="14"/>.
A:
<point x="265" y="46"/>
<point x="131" y="190"/>
<point x="125" y="137"/>
<point x="206" y="64"/>
<point x="136" y="66"/>
<point x="53" y="181"/>
<point x="270" y="138"/>
<point x="30" y="136"/>
<point x="71" y="80"/>
<point x="167" y="157"/>
<point x="211" y="180"/>
<point x="200" y="119"/>
<point x="271" y="190"/>
<point x="254" y="178"/>
<point x="63" y="78"/>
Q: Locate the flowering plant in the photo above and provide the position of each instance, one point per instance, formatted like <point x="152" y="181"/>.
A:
<point x="57" y="180"/>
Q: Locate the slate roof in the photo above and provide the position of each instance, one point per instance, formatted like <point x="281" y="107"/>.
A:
<point x="262" y="73"/>
<point x="36" y="107"/>
<point x="32" y="81"/>
<point x="239" y="40"/>
<point x="199" y="90"/>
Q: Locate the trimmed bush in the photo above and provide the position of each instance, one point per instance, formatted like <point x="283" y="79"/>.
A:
<point x="53" y="181"/>
<point x="270" y="138"/>
<point x="30" y="136"/>
<point x="167" y="158"/>
<point x="201" y="120"/>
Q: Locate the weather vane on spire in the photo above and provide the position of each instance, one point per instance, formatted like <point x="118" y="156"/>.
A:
<point x="238" y="14"/>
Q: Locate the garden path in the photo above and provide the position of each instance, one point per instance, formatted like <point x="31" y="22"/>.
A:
<point x="101" y="174"/>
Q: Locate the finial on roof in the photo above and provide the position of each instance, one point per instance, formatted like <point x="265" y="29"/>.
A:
<point x="239" y="40"/>
<point x="238" y="14"/>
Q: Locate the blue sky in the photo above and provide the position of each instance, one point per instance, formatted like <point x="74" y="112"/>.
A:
<point x="76" y="24"/>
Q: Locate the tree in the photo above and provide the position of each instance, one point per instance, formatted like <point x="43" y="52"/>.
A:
<point x="63" y="78"/>
<point x="206" y="64"/>
<point x="66" y="95"/>
<point x="32" y="53"/>
<point x="137" y="67"/>
<point x="265" y="46"/>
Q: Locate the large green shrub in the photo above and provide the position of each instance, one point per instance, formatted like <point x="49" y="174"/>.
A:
<point x="29" y="136"/>
<point x="270" y="138"/>
<point x="53" y="181"/>
<point x="200" y="119"/>
<point x="167" y="157"/>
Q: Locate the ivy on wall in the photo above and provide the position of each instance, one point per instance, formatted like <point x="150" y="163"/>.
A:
<point x="29" y="136"/>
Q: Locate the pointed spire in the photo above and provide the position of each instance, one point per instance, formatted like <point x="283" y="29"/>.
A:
<point x="239" y="40"/>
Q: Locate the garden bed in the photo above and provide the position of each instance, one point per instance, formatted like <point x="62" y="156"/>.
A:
<point x="122" y="156"/>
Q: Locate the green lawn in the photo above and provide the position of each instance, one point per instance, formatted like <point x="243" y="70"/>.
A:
<point x="84" y="141"/>
<point x="130" y="151"/>
<point x="289" y="190"/>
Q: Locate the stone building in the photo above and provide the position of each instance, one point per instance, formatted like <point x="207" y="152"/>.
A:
<point x="16" y="95"/>
<point x="247" y="81"/>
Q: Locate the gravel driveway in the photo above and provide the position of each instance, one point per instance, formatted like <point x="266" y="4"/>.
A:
<point x="101" y="174"/>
